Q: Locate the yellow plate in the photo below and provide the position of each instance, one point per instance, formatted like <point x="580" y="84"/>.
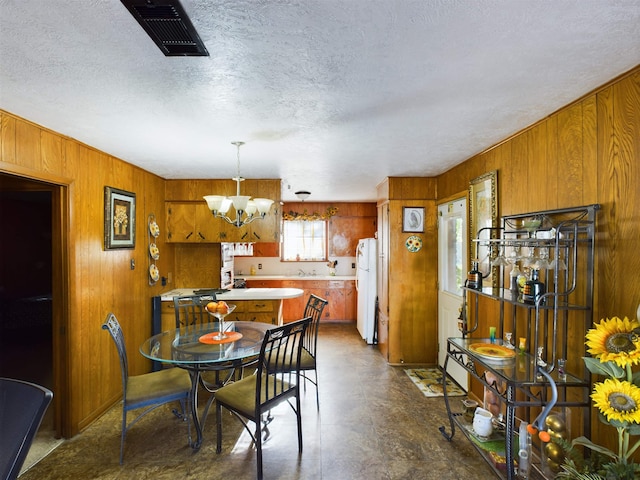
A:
<point x="490" y="350"/>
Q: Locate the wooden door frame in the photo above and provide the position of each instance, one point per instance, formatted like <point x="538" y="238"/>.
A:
<point x="60" y="188"/>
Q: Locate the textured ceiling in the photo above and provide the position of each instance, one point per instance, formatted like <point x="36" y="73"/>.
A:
<point x="331" y="96"/>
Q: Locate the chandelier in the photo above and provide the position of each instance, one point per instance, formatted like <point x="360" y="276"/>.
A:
<point x="243" y="205"/>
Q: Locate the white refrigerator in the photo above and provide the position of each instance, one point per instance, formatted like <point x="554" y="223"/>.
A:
<point x="366" y="285"/>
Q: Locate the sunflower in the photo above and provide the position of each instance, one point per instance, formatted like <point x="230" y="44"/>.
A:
<point x="617" y="400"/>
<point x="614" y="340"/>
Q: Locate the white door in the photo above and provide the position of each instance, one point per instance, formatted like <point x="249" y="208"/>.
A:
<point x="452" y="268"/>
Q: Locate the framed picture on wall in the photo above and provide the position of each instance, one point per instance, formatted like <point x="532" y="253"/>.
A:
<point x="413" y="219"/>
<point x="119" y="219"/>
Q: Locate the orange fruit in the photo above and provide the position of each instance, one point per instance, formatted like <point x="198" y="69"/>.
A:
<point x="212" y="306"/>
<point x="544" y="436"/>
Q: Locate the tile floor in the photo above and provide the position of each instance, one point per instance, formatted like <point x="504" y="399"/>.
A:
<point x="373" y="424"/>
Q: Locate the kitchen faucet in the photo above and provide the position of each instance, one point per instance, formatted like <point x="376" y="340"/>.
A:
<point x="301" y="273"/>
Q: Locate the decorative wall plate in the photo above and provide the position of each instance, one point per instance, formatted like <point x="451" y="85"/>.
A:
<point x="154" y="273"/>
<point x="413" y="243"/>
<point x="154" y="229"/>
<point x="154" y="251"/>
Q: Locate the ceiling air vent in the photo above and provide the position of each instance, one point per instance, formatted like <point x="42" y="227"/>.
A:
<point x="168" y="25"/>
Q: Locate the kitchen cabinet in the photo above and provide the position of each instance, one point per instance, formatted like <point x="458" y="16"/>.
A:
<point x="345" y="231"/>
<point x="293" y="308"/>
<point x="340" y="294"/>
<point x="267" y="284"/>
<point x="190" y="221"/>
<point x="407" y="279"/>
<point x="265" y="311"/>
<point x="350" y="300"/>
<point x="553" y="327"/>
<point x="167" y="316"/>
<point x="266" y="249"/>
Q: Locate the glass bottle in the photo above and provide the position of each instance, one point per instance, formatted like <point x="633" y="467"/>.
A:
<point x="513" y="279"/>
<point x="533" y="288"/>
<point x="474" y="277"/>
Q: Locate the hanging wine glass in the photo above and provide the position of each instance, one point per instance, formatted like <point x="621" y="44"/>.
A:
<point x="500" y="260"/>
<point x="531" y="260"/>
<point x="558" y="263"/>
<point x="543" y="261"/>
<point x="514" y="256"/>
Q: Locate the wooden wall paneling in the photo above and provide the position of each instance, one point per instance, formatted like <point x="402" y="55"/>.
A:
<point x="197" y="266"/>
<point x="619" y="117"/>
<point x="606" y="253"/>
<point x="79" y="331"/>
<point x="505" y="169"/>
<point x="570" y="156"/>
<point x="619" y="176"/>
<point x="52" y="157"/>
<point x="396" y="287"/>
<point x="384" y="248"/>
<point x="137" y="302"/>
<point x="551" y="164"/>
<point x="412" y="294"/>
<point x="590" y="150"/>
<point x="407" y="188"/>
<point x="28" y="145"/>
<point x="627" y="126"/>
<point x="448" y="184"/>
<point x="520" y="163"/>
<point x="8" y="138"/>
<point x="537" y="189"/>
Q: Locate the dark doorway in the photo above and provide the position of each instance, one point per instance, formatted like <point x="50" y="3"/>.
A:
<point x="26" y="318"/>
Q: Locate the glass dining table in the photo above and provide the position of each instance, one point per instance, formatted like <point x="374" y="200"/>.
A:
<point x="199" y="349"/>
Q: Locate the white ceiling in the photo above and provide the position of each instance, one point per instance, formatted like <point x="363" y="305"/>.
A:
<point x="332" y="96"/>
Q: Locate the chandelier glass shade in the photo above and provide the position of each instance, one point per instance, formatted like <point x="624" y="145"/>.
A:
<point x="247" y="210"/>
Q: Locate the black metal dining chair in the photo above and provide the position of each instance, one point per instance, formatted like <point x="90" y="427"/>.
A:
<point x="149" y="390"/>
<point x="190" y="310"/>
<point x="22" y="408"/>
<point x="308" y="360"/>
<point x="277" y="379"/>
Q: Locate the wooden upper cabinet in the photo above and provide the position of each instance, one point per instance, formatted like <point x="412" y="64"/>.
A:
<point x="190" y="221"/>
<point x="345" y="233"/>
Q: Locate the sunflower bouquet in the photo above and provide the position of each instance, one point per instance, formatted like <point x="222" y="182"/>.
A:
<point x="614" y="344"/>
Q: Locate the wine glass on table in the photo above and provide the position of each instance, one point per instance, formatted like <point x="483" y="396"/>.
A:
<point x="219" y="310"/>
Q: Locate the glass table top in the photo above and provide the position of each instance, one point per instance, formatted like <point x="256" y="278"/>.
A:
<point x="184" y="345"/>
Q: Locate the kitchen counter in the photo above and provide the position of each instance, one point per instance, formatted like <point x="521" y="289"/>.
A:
<point x="253" y="304"/>
<point x="236" y="294"/>
<point x="296" y="277"/>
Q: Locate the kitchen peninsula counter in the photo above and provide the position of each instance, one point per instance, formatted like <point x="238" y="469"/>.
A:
<point x="252" y="304"/>
<point x="339" y="290"/>
<point x="236" y="294"/>
<point x="296" y="277"/>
